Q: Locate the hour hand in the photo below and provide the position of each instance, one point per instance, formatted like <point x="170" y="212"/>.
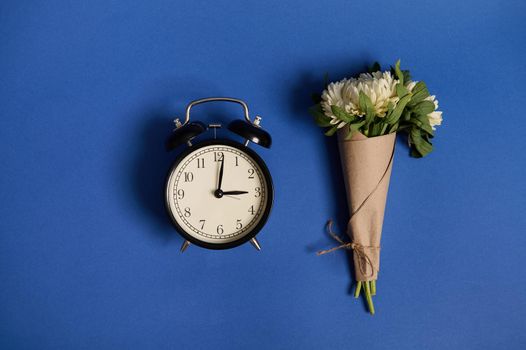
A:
<point x="233" y="193"/>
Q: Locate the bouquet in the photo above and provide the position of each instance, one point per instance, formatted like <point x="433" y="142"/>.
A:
<point x="366" y="113"/>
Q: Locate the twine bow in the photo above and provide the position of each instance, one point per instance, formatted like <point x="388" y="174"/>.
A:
<point x="358" y="248"/>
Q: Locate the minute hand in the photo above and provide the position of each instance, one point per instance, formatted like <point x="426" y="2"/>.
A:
<point x="220" y="181"/>
<point x="233" y="193"/>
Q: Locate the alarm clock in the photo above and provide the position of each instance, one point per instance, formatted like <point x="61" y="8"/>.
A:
<point x="219" y="192"/>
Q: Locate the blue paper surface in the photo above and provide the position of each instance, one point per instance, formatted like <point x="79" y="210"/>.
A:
<point x="88" y="259"/>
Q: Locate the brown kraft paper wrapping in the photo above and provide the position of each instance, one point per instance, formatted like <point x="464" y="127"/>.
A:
<point x="367" y="164"/>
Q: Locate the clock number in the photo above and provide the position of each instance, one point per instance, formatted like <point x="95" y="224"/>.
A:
<point x="220" y="229"/>
<point x="258" y="192"/>
<point x="251" y="210"/>
<point x="239" y="225"/>
<point x="200" y="163"/>
<point x="187" y="212"/>
<point x="237" y="161"/>
<point x="188" y="177"/>
<point x="180" y="194"/>
<point x="218" y="156"/>
<point x="251" y="173"/>
<point x="202" y="222"/>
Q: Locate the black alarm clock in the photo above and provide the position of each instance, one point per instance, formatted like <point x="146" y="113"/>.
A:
<point x="219" y="192"/>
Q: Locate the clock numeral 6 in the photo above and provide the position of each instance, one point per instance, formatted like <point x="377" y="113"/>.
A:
<point x="220" y="229"/>
<point x="202" y="222"/>
<point x="180" y="194"/>
<point x="258" y="192"/>
<point x="187" y="212"/>
<point x="251" y="173"/>
<point x="239" y="225"/>
<point x="218" y="156"/>
<point x="251" y="210"/>
<point x="188" y="177"/>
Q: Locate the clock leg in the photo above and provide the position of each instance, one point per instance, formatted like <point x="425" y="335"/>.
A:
<point x="255" y="243"/>
<point x="185" y="245"/>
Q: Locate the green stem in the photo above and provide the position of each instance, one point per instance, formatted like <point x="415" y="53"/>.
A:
<point x="358" y="288"/>
<point x="373" y="287"/>
<point x="368" y="297"/>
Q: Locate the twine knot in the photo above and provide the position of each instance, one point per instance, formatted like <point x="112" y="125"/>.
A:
<point x="358" y="249"/>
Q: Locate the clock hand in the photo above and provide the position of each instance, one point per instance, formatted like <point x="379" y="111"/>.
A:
<point x="233" y="193"/>
<point x="221" y="174"/>
<point x="218" y="193"/>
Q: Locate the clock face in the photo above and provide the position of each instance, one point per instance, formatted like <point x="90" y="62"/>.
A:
<point x="219" y="194"/>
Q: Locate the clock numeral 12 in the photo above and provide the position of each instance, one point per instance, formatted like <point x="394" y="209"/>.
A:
<point x="218" y="156"/>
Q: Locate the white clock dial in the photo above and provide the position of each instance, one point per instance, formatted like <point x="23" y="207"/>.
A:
<point x="192" y="197"/>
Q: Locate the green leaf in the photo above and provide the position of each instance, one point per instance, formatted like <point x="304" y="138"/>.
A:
<point x="331" y="131"/>
<point x="394" y="128"/>
<point x="420" y="145"/>
<point x="342" y="115"/>
<point x="354" y="127"/>
<point x="366" y="105"/>
<point x="424" y="108"/>
<point x="423" y="125"/>
<point x="406" y="114"/>
<point x="415" y="153"/>
<point x="419" y="92"/>
<point x="319" y="117"/>
<point x="399" y="73"/>
<point x="357" y="126"/>
<point x="351" y="132"/>
<point x="403" y="127"/>
<point x="362" y="101"/>
<point x="395" y="114"/>
<point x="401" y="90"/>
<point x="376" y="130"/>
<point x="322" y="121"/>
<point x="390" y="107"/>
<point x="424" y="148"/>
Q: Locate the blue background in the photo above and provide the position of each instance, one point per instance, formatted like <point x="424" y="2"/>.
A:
<point x="89" y="260"/>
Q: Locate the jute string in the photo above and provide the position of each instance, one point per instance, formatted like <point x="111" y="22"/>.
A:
<point x="358" y="249"/>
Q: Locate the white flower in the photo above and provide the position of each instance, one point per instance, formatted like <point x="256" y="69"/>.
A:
<point x="380" y="87"/>
<point x="333" y="96"/>
<point x="435" y="117"/>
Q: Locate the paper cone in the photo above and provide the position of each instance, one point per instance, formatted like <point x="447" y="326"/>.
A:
<point x="367" y="164"/>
